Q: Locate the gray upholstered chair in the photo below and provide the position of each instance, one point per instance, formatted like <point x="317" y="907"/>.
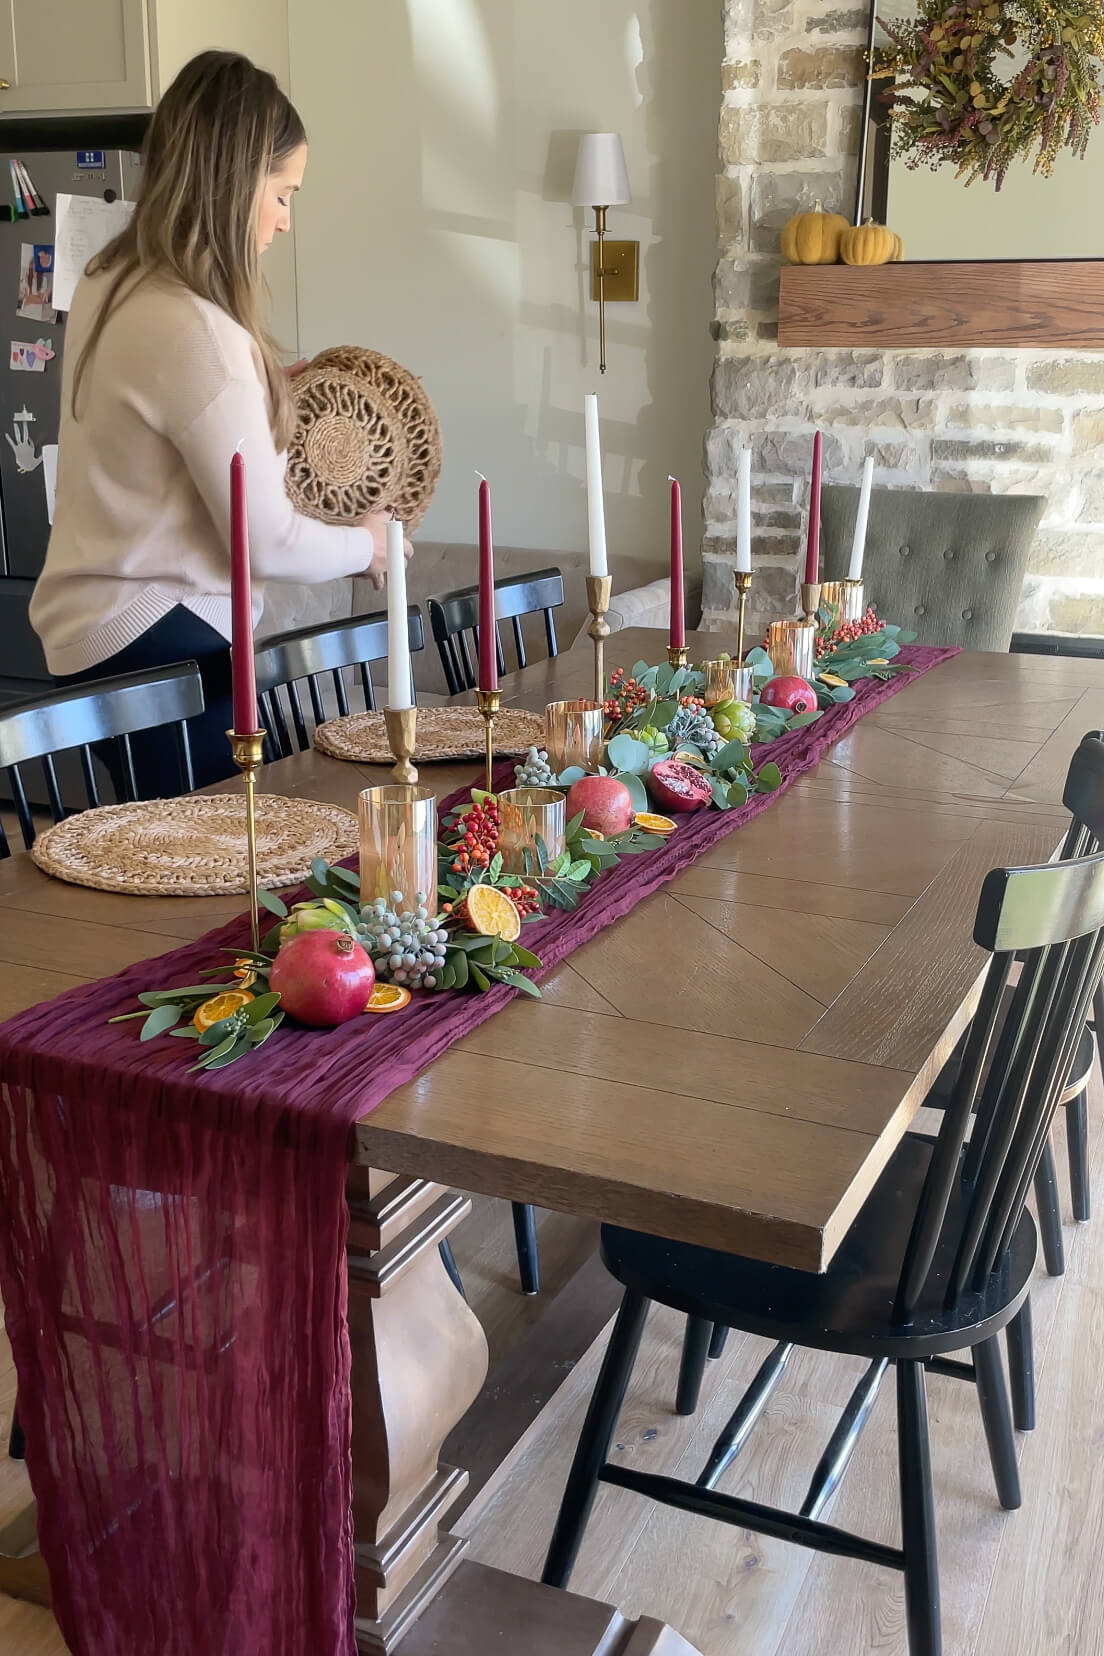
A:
<point x="947" y="566"/>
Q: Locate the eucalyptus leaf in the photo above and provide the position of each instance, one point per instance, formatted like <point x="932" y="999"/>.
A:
<point x="319" y="868"/>
<point x="161" y="1018"/>
<point x="842" y="693"/>
<point x="573" y="826"/>
<point x="800" y="720"/>
<point x="270" y="901"/>
<point x="259" y="1032"/>
<point x="662" y="713"/>
<point x="738" y="794"/>
<point x="889" y="649"/>
<point x="768" y="777"/>
<point x="525" y="957"/>
<point x="905" y="637"/>
<point x="478" y="977"/>
<point x="459" y="964"/>
<point x="189" y="1032"/>
<point x="239" y="1046"/>
<point x="125" y="1017"/>
<point x="678" y="679"/>
<point x="639" y="670"/>
<point x="732" y="754"/>
<point x="259" y="1008"/>
<point x="217" y="1032"/>
<point x="627" y="754"/>
<point x="720" y="793"/>
<point x="637" y="791"/>
<point x="573" y="773"/>
<point x="561" y="864"/>
<point x="516" y="980"/>
<point x="664" y="677"/>
<point x="218" y="1051"/>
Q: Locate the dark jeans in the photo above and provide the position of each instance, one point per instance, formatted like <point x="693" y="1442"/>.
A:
<point x="178" y="636"/>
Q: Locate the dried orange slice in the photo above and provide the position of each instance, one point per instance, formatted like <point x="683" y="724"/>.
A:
<point x="832" y="679"/>
<point x="653" y="824"/>
<point x="591" y="833"/>
<point x="388" y="997"/>
<point x="493" y="914"/>
<point x="220" y="1006"/>
<point x="246" y="973"/>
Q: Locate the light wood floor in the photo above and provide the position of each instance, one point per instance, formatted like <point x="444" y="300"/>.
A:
<point x="1016" y="1584"/>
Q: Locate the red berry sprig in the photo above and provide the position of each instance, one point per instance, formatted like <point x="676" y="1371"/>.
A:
<point x="697" y="703"/>
<point x="525" y="898"/>
<point x="625" y="696"/>
<point x="847" y="631"/>
<point x="477" y="837"/>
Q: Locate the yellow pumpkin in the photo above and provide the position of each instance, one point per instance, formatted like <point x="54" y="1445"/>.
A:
<point x="898" y="248"/>
<point x="813" y="238"/>
<point x="867" y="244"/>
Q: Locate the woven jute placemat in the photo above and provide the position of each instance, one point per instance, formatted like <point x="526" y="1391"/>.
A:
<point x="366" y="438"/>
<point x="195" y="846"/>
<point x="443" y="733"/>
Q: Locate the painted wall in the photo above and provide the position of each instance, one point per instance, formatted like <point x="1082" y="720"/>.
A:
<point x="435" y="226"/>
<point x="259" y="29"/>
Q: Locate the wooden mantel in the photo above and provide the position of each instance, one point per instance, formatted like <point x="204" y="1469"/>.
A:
<point x="1011" y="304"/>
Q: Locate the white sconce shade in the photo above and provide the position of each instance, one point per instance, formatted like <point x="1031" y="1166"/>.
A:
<point x="601" y="176"/>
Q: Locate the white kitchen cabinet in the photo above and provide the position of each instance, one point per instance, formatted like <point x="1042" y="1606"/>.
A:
<point x="61" y="56"/>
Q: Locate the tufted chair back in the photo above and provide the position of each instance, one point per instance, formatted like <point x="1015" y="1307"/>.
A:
<point x="947" y="566"/>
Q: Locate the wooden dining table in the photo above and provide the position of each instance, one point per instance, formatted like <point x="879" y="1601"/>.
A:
<point x="731" y="1063"/>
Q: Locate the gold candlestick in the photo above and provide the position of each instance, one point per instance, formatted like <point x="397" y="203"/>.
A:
<point x="599" y="588"/>
<point x="743" y="582"/>
<point x="810" y="599"/>
<point x="402" y="736"/>
<point x="677" y="656"/>
<point x="488" y="703"/>
<point x="247" y="748"/>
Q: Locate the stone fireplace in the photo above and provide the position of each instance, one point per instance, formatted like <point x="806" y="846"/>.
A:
<point x="1029" y="422"/>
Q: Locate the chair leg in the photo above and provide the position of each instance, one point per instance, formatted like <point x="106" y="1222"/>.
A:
<point x="695" y="1347"/>
<point x="842" y="1444"/>
<point x="525" y="1235"/>
<point x="448" y="1260"/>
<point x="593" y="1447"/>
<point x="1050" y="1215"/>
<point x="997" y="1418"/>
<point x="17" y="1443"/>
<point x="1098" y="1022"/>
<point x="717" y="1343"/>
<point x="1021" y="1369"/>
<point x="917" y="1513"/>
<point x="1077" y="1143"/>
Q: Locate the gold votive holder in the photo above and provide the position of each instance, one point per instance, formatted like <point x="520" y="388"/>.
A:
<point x="743" y="684"/>
<point x="791" y="646"/>
<point x="398" y="843"/>
<point x="573" y="734"/>
<point x="526" y="815"/>
<point x="720" y="681"/>
<point x="845" y="598"/>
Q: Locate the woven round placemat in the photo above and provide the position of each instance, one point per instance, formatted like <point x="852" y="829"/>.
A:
<point x="193" y="847"/>
<point x="366" y="438"/>
<point x="443" y="733"/>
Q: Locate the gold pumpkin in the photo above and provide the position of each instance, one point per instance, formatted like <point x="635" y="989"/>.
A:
<point x="868" y="244"/>
<point x="813" y="238"/>
<point x="898" y="248"/>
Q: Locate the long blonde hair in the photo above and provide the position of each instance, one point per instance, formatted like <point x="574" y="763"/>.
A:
<point x="220" y="129"/>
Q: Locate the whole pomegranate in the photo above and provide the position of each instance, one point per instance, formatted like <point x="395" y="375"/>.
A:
<point x="794" y="694"/>
<point x="678" y="787"/>
<point x="605" y="802"/>
<point x="324" y="978"/>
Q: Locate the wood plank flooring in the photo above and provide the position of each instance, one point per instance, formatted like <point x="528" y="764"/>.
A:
<point x="1015" y="1584"/>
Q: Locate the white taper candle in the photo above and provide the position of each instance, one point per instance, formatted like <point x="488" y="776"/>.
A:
<point x="743" y="512"/>
<point x="398" y="640"/>
<point x="596" y="511"/>
<point x="858" y="545"/>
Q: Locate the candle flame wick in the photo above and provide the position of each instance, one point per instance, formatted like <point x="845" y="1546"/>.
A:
<point x="240" y="445"/>
<point x="671" y="479"/>
<point x="480" y="476"/>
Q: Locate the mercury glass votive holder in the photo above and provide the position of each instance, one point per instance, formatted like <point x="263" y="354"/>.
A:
<point x="526" y="815"/>
<point x="791" y="646"/>
<point x="573" y="734"/>
<point x="398" y="843"/>
<point x="720" y="681"/>
<point x="845" y="597"/>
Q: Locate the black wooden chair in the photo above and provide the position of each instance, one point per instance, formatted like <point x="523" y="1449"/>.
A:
<point x="940" y="1259"/>
<point x="454" y="619"/>
<point x="286" y="659"/>
<point x="86" y="714"/>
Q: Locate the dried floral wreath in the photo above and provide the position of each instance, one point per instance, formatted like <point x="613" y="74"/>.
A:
<point x="949" y="103"/>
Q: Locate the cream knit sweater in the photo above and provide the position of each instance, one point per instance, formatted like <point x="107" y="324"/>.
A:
<point x="142" y="516"/>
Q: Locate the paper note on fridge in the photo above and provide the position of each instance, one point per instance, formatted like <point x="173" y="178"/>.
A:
<point x="49" y="476"/>
<point x="83" y="225"/>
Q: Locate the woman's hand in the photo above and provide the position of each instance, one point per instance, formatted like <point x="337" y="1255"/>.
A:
<point x="376" y="524"/>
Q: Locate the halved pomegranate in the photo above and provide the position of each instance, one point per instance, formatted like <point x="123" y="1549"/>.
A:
<point x="678" y="787"/>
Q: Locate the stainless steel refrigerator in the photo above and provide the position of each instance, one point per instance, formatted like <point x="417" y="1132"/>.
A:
<point x="29" y="396"/>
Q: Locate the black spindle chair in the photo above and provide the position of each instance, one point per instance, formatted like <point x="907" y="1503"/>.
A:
<point x="43" y="727"/>
<point x="287" y="659"/>
<point x="939" y="1260"/>
<point x="454" y="619"/>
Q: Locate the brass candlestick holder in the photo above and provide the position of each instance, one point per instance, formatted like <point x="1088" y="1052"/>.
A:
<point x="488" y="703"/>
<point x="677" y="655"/>
<point x="402" y="739"/>
<point x="599" y="589"/>
<point x="247" y="748"/>
<point x="743" y="584"/>
<point x="810" y="599"/>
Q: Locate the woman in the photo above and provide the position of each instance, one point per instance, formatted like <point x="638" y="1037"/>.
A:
<point x="168" y="369"/>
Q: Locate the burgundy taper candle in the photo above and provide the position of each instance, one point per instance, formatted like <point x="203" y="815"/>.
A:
<point x="488" y="655"/>
<point x="812" y="550"/>
<point x="677" y="638"/>
<point x="243" y="674"/>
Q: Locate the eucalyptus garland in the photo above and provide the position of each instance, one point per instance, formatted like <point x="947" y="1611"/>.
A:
<point x="950" y="103"/>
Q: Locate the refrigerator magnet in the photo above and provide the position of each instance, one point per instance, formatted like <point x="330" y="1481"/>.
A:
<point x="26" y="358"/>
<point x="22" y="446"/>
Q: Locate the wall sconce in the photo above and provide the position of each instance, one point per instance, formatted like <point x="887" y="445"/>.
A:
<point x="601" y="182"/>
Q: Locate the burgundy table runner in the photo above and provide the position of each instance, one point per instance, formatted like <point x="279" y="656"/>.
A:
<point x="171" y="1250"/>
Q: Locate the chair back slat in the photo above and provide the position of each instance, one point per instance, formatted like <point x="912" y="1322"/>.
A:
<point x="1016" y="1060"/>
<point x="454" y="621"/>
<point x="308" y="654"/>
<point x="104" y="710"/>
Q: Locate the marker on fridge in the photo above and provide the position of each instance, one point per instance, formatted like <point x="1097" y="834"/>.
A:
<point x="17" y="193"/>
<point x="36" y="203"/>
